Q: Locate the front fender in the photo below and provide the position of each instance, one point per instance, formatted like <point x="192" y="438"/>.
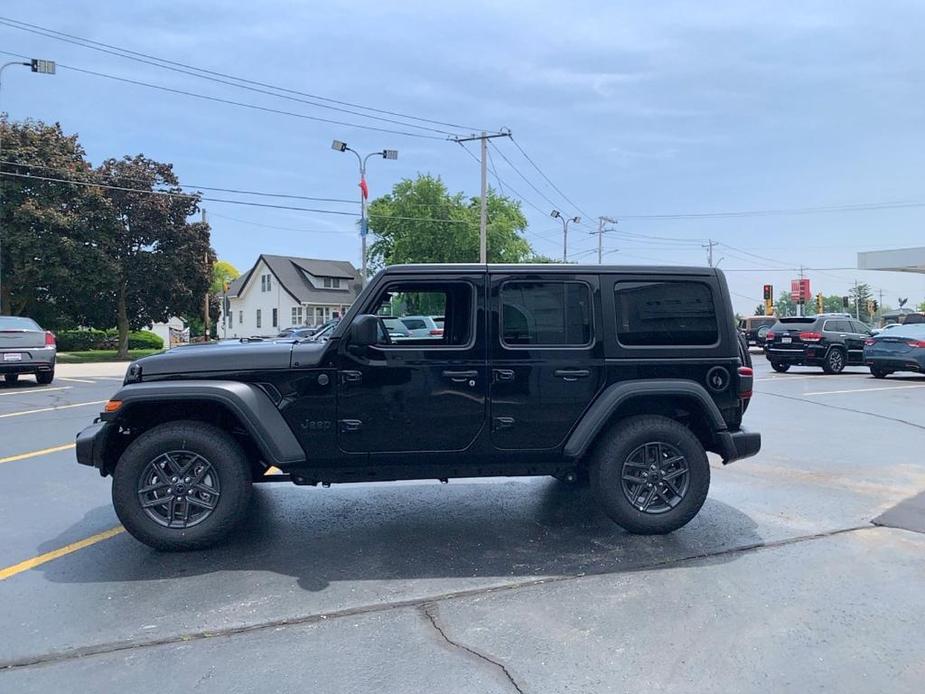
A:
<point x="252" y="407"/>
<point x="614" y="397"/>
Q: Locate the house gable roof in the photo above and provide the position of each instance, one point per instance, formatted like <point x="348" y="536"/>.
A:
<point x="289" y="272"/>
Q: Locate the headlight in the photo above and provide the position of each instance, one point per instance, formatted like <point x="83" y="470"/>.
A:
<point x="133" y="375"/>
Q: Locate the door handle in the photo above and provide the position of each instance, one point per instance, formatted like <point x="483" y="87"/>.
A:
<point x="460" y="376"/>
<point x="347" y="425"/>
<point x="571" y="374"/>
<point x="351" y="376"/>
<point x="504" y="374"/>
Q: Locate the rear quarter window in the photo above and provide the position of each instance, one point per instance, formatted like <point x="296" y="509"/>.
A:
<point x="665" y="312"/>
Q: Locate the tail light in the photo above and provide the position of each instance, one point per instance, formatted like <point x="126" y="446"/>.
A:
<point x="810" y="336"/>
<point x="746" y="379"/>
<point x="916" y="343"/>
<point x="769" y="335"/>
<point x="436" y="332"/>
<point x="869" y="341"/>
<point x="49" y="338"/>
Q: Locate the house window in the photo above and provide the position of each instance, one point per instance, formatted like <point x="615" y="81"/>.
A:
<point x="327" y="282"/>
<point x="265" y="283"/>
<point x="230" y="319"/>
<point x="258" y="317"/>
<point x="240" y="317"/>
<point x="275" y="318"/>
<point x="296" y="315"/>
<point x="336" y="283"/>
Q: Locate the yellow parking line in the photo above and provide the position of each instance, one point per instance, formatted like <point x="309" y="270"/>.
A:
<point x="75" y="380"/>
<point x="52" y="409"/>
<point x="11" y="571"/>
<point x="33" y="391"/>
<point x="34" y="454"/>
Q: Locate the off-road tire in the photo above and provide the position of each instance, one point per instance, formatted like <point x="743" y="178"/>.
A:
<point x="607" y="467"/>
<point x="228" y="462"/>
<point x="834" y="362"/>
<point x="10" y="379"/>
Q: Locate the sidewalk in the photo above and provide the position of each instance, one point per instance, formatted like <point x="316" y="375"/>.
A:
<point x="98" y="369"/>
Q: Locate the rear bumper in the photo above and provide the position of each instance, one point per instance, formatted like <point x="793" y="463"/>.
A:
<point x="91" y="442"/>
<point x="809" y="356"/>
<point x="32" y="360"/>
<point x="895" y="363"/>
<point x="735" y="445"/>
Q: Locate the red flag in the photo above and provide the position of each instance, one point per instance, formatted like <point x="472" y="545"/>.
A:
<point x="364" y="188"/>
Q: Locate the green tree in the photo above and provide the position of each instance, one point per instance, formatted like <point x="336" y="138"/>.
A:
<point x="52" y="263"/>
<point x="162" y="262"/>
<point x="859" y="295"/>
<point x="784" y="306"/>
<point x="759" y="310"/>
<point x="921" y="307"/>
<point x="421" y="222"/>
<point x="223" y="273"/>
<point x="833" y="304"/>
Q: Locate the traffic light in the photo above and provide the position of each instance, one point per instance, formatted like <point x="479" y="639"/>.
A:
<point x="768" y="292"/>
<point x="820" y="303"/>
<point x="844" y="302"/>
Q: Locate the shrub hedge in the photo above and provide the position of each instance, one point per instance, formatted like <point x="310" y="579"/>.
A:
<point x="91" y="338"/>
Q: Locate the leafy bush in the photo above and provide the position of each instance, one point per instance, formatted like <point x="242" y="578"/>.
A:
<point x="91" y="338"/>
<point x="144" y="339"/>
<point x="80" y="340"/>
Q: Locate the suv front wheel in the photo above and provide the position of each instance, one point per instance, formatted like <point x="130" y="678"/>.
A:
<point x="650" y="475"/>
<point x="182" y="485"/>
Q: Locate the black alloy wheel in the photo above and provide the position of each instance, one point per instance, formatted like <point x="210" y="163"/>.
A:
<point x="655" y="477"/>
<point x="834" y="361"/>
<point x="178" y="489"/>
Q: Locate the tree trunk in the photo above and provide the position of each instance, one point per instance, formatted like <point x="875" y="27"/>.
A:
<point x="122" y="323"/>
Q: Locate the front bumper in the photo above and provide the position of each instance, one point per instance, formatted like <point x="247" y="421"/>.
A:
<point x="735" y="445"/>
<point x="91" y="443"/>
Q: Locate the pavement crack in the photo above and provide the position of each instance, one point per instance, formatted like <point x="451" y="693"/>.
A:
<point x="846" y="409"/>
<point x="431" y="612"/>
<point x="374" y="608"/>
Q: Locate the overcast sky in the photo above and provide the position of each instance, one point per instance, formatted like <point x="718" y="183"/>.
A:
<point x="642" y="109"/>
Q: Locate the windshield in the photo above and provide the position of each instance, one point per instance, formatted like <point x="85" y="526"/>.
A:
<point x="17" y="323"/>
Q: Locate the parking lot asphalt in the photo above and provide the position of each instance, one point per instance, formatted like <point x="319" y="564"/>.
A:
<point x="781" y="583"/>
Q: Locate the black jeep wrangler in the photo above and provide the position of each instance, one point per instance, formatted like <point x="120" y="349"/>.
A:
<point x="621" y="378"/>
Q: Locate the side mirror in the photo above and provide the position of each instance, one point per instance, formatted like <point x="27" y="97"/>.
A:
<point x="364" y="331"/>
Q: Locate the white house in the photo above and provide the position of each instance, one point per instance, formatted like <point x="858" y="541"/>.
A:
<point x="280" y="291"/>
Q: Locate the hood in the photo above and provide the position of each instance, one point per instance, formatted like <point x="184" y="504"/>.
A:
<point x="230" y="355"/>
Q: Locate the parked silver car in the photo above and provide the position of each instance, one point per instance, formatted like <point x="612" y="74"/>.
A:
<point x="421" y="326"/>
<point x="25" y="348"/>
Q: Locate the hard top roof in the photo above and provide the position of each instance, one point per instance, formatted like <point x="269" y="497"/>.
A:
<point x="570" y="268"/>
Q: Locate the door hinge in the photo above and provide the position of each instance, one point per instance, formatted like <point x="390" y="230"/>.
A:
<point x="347" y="425"/>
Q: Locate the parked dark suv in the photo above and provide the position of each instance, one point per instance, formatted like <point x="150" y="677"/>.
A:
<point x="620" y="377"/>
<point x="832" y="341"/>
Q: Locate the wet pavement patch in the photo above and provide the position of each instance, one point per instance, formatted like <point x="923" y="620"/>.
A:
<point x="907" y="515"/>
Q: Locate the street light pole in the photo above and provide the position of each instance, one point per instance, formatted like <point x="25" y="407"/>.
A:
<point x="45" y="67"/>
<point x="339" y="146"/>
<point x="565" y="222"/>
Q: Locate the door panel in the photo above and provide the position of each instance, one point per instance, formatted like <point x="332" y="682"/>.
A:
<point x="539" y="391"/>
<point x="416" y="397"/>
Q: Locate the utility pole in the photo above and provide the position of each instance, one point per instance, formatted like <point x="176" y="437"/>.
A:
<point x="857" y="301"/>
<point x="206" y="319"/>
<point x="600" y="236"/>
<point x="800" y="302"/>
<point x="391" y="154"/>
<point x="44" y="67"/>
<point x="555" y="214"/>
<point x="483" y="215"/>
<point x="709" y="246"/>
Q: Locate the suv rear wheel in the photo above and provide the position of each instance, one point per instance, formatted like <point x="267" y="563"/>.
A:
<point x="181" y="486"/>
<point x="834" y="362"/>
<point x="650" y="475"/>
<point x="780" y="367"/>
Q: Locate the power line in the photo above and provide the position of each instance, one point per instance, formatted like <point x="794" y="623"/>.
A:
<point x="555" y="205"/>
<point x="232" y="102"/>
<point x="506" y="183"/>
<point x="191" y="185"/>
<point x="859" y="207"/>
<point x="165" y="63"/>
<point x="338" y="232"/>
<point x="548" y="180"/>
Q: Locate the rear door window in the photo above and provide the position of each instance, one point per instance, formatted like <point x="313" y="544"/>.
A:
<point x="554" y="314"/>
<point x="665" y="312"/>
